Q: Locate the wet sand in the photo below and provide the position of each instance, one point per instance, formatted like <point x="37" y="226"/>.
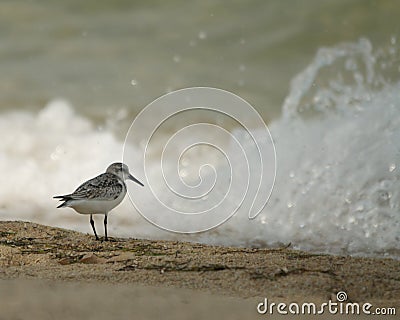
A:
<point x="49" y="273"/>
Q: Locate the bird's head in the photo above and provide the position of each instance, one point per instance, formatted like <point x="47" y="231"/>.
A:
<point x="121" y="170"/>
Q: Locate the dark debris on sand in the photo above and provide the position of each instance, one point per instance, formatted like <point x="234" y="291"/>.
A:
<point x="29" y="250"/>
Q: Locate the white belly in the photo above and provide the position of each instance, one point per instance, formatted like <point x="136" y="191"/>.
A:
<point x="95" y="206"/>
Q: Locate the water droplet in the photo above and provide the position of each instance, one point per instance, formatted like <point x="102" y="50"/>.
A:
<point x="202" y="35"/>
<point x="185" y="162"/>
<point x="291" y="174"/>
<point x="177" y="58"/>
<point x="134" y="82"/>
<point x="192" y="43"/>
<point x="392" y="167"/>
<point x="183" y="173"/>
<point x="393" y="40"/>
<point x="242" y="41"/>
<point x="290" y="205"/>
<point x="57" y="153"/>
<point x="383" y="197"/>
<point x="242" y="68"/>
<point x="302" y="225"/>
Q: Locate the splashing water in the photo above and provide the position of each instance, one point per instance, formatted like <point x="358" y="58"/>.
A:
<point x="337" y="145"/>
<point x="337" y="188"/>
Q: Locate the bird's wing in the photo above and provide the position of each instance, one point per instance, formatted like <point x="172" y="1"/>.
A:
<point x="105" y="186"/>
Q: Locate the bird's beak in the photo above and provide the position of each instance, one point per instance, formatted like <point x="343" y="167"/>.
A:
<point x="131" y="177"/>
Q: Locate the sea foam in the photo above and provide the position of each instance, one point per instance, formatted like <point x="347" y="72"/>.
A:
<point x="337" y="143"/>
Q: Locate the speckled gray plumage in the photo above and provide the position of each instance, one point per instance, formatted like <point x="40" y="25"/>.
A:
<point x="106" y="186"/>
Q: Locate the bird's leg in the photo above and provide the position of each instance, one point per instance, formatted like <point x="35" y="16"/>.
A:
<point x="105" y="227"/>
<point x="94" y="229"/>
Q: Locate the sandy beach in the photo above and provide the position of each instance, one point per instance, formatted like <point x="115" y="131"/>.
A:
<point x="51" y="273"/>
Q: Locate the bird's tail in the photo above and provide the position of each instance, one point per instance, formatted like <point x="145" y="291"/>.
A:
<point x="65" y="200"/>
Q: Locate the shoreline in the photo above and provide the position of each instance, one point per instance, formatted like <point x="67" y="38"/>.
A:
<point x="30" y="251"/>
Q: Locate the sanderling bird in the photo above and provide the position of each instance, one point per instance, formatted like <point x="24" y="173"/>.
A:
<point x="100" y="195"/>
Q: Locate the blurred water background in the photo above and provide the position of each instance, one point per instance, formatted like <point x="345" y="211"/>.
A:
<point x="324" y="75"/>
